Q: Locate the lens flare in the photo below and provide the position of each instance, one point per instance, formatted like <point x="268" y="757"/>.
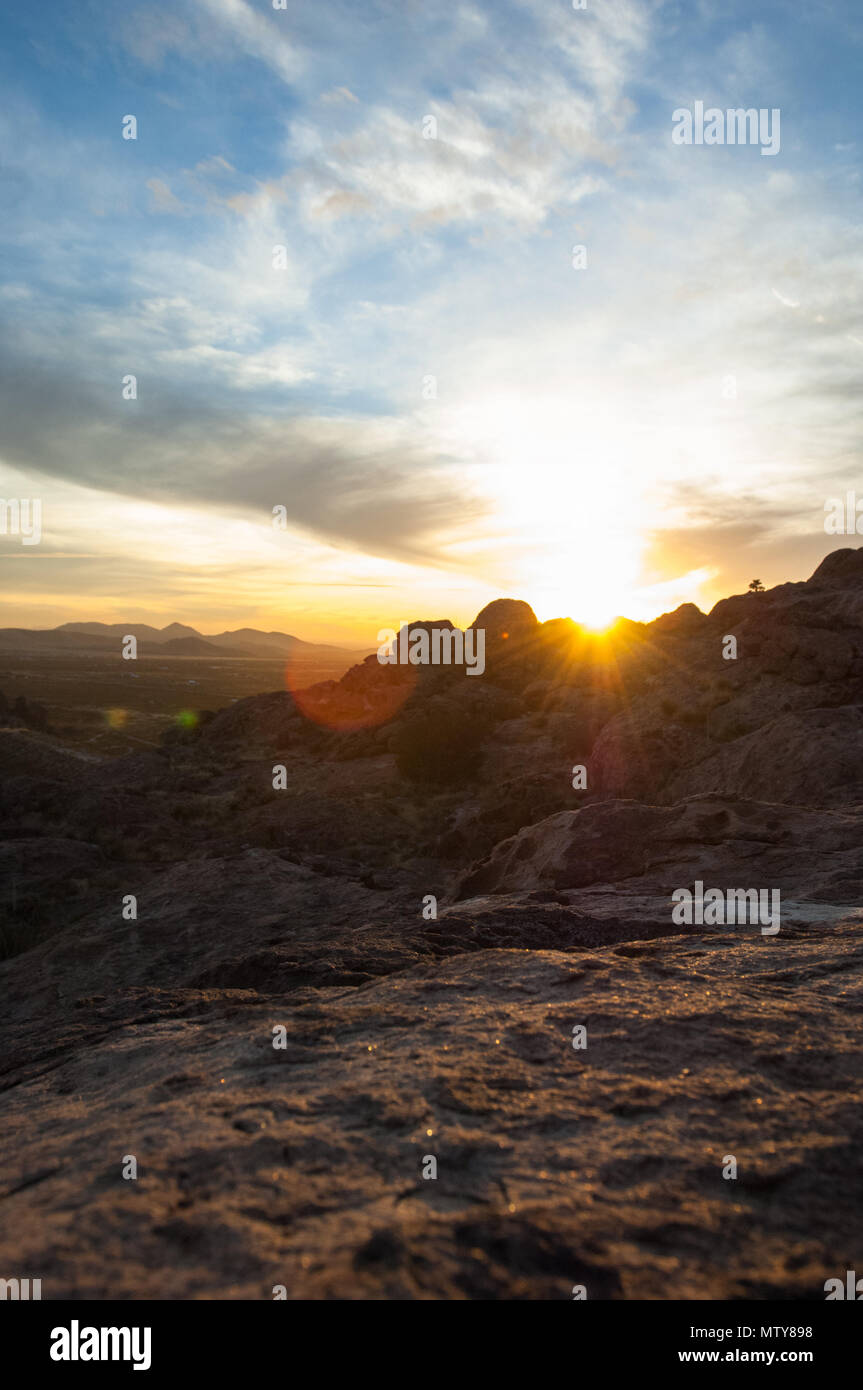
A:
<point x="366" y="697"/>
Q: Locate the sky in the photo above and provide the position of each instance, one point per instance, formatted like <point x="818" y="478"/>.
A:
<point x="340" y="261"/>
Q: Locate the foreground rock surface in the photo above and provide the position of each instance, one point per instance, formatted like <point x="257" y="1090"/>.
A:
<point x="556" y="1167"/>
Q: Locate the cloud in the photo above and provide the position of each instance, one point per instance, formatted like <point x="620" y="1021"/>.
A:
<point x="789" y="303"/>
<point x="515" y="168"/>
<point x="362" y="482"/>
<point x="163" y="199"/>
<point x="243" y="370"/>
<point x="339" y="94"/>
<point x="259" y="37"/>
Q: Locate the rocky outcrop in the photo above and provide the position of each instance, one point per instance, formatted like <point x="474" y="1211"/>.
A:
<point x="808" y="854"/>
<point x="806" y="759"/>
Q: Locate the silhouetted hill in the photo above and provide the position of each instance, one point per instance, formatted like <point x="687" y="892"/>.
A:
<point x="244" y="642"/>
<point x="143" y="631"/>
<point x="197" y="646"/>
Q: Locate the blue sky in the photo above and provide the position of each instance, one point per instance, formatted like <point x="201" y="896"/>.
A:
<point x="581" y="448"/>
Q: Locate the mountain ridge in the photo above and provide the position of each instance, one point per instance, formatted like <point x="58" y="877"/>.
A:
<point x="240" y="642"/>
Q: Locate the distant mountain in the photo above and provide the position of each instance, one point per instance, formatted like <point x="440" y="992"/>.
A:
<point x="276" y="644"/>
<point x="250" y="638"/>
<point x="177" y="639"/>
<point x="52" y="639"/>
<point x="193" y="646"/>
<point x="143" y="631"/>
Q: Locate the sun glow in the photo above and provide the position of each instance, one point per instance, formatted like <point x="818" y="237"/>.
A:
<point x="586" y="565"/>
<point x="596" y="611"/>
<point x="567" y="504"/>
<point x="588" y="574"/>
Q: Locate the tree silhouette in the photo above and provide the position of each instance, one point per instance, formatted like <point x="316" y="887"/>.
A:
<point x="756" y="587"/>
